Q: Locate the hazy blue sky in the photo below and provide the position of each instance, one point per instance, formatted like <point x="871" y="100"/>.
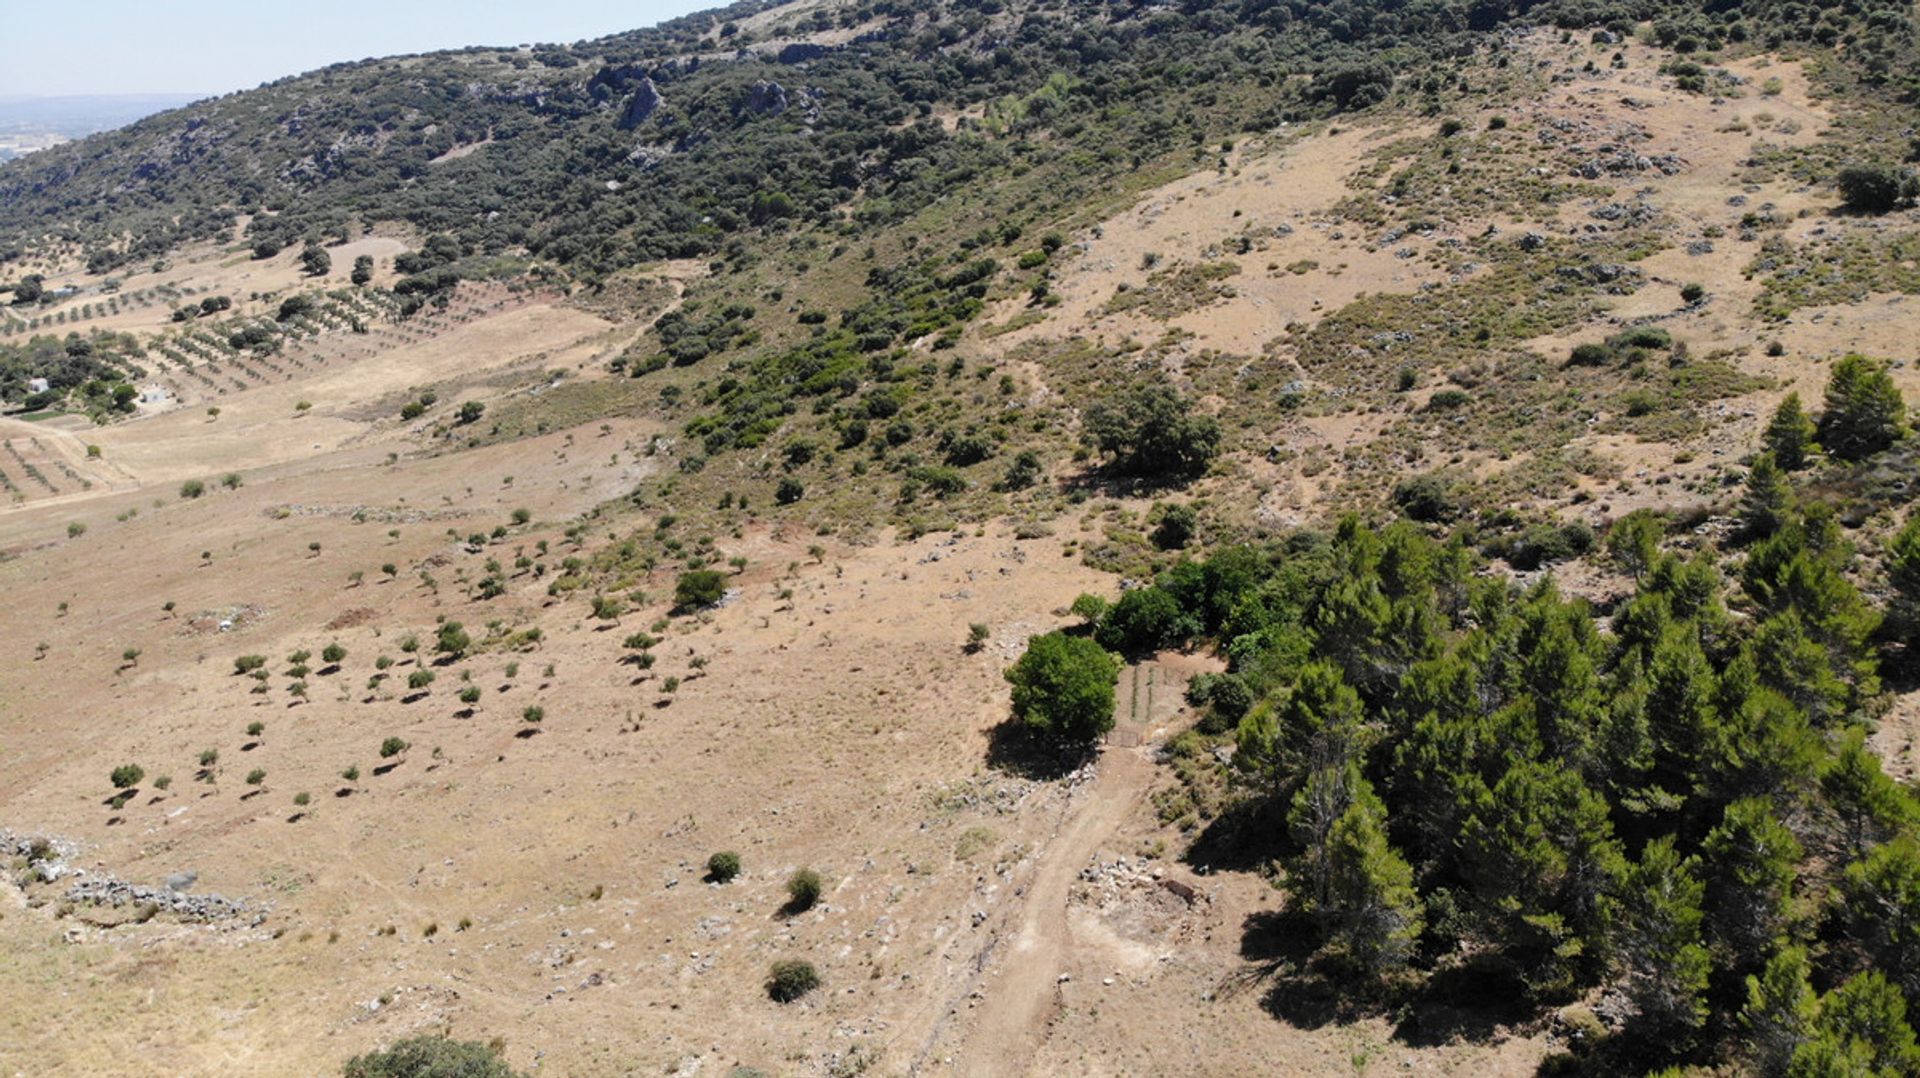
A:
<point x="213" y="46"/>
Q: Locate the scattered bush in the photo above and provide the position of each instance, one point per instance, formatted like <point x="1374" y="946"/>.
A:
<point x="1427" y="498"/>
<point x="722" y="867"/>
<point x="791" y="979"/>
<point x="1177" y="526"/>
<point x="803" y="890"/>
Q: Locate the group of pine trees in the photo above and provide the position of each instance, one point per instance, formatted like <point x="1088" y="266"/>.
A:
<point x="1676" y="800"/>
<point x="1672" y="801"/>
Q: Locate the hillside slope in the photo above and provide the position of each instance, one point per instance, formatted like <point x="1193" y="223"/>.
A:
<point x="472" y="490"/>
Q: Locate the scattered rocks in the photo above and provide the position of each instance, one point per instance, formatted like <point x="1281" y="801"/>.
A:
<point x="1620" y="278"/>
<point x="362" y="513"/>
<point x="109" y="891"/>
<point x="1620" y="161"/>
<point x="50" y="858"/>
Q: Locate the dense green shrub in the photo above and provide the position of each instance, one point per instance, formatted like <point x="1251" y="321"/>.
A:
<point x="1153" y="432"/>
<point x="1876" y="188"/>
<point x="1063" y="686"/>
<point x="1146" y="619"/>
<point x="723" y="866"/>
<point x="699" y="588"/>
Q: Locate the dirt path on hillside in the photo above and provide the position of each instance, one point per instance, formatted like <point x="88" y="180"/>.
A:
<point x="1021" y="1001"/>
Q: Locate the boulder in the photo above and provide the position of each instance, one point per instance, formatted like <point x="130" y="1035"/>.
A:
<point x="799" y="52"/>
<point x="766" y="99"/>
<point x="646" y="101"/>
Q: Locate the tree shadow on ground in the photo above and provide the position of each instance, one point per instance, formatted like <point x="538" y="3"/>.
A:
<point x="1462" y="1003"/>
<point x="1240" y="839"/>
<point x="1279" y="946"/>
<point x="1306" y="989"/>
<point x="1015" y="749"/>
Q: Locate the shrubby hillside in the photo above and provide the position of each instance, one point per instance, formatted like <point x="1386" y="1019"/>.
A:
<point x="1478" y="436"/>
<point x="681" y="139"/>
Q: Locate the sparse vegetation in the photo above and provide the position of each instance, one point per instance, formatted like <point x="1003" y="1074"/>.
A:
<point x="430" y="1056"/>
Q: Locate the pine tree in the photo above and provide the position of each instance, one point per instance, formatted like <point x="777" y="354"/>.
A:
<point x="1862" y="1029"/>
<point x="1765" y="747"/>
<point x="1349" y="624"/>
<point x="1882" y="904"/>
<point x="1680" y="712"/>
<point x="1446" y="740"/>
<point x="1903" y="572"/>
<point x="1321" y="803"/>
<point x="1634" y="541"/>
<point x="1557" y="677"/>
<point x="1789" y="435"/>
<point x="1780" y="1012"/>
<point x="1867" y="806"/>
<point x="1371" y="897"/>
<point x="1768" y="501"/>
<point x="1798" y="668"/>
<point x="1658" y="940"/>
<point x="1320" y="724"/>
<point x="1537" y="849"/>
<point x="1864" y="411"/>
<point x="1748" y="871"/>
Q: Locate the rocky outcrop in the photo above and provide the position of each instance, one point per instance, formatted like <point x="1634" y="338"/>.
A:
<point x="646" y="101"/>
<point x="765" y="99"/>
<point x="799" y="52"/>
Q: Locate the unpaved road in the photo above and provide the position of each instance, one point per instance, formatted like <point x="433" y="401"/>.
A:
<point x="1021" y="1001"/>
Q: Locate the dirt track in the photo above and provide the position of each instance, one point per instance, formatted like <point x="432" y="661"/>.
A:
<point x="1023" y="997"/>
